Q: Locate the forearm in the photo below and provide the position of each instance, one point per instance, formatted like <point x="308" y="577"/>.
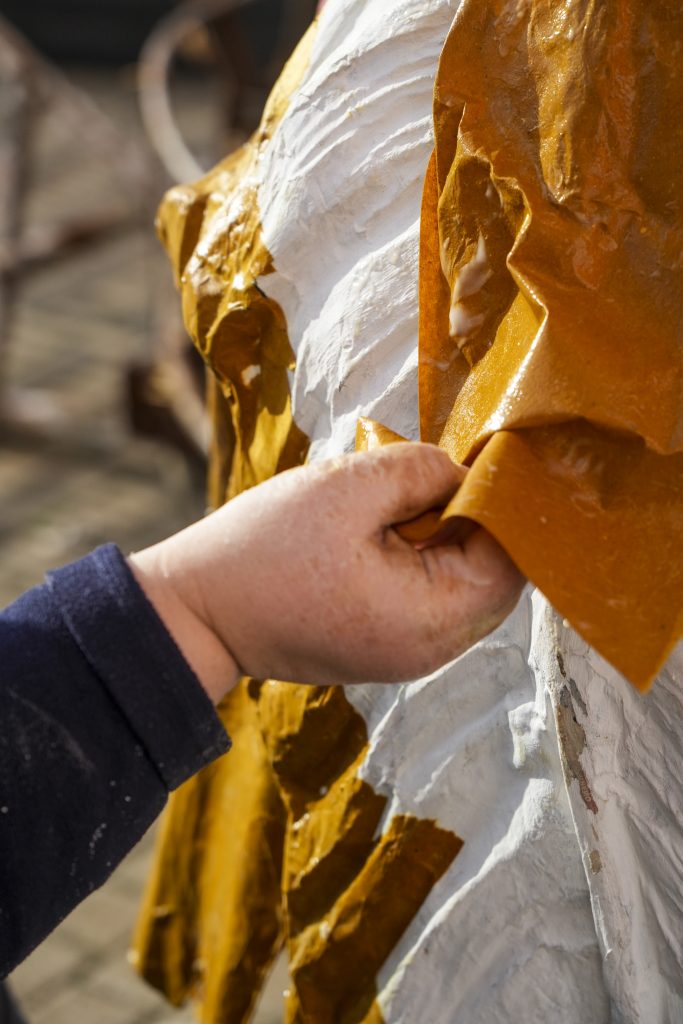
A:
<point x="171" y="588"/>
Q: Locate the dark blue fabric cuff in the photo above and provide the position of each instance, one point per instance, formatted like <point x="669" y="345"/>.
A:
<point x="129" y="648"/>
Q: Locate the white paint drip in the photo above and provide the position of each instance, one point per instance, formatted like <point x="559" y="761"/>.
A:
<point x="249" y="374"/>
<point x="471" y="278"/>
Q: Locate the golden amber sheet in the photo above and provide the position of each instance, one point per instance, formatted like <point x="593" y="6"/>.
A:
<point x="551" y="304"/>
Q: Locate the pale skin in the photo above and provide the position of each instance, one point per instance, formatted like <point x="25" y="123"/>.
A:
<point x="304" y="578"/>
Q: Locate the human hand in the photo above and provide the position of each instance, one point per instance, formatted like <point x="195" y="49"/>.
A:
<point x="304" y="578"/>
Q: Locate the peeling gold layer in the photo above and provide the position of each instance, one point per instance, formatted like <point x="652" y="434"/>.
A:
<point x="212" y="232"/>
<point x="600" y="533"/>
<point x="334" y="963"/>
<point x="348" y="895"/>
<point x="551" y="305"/>
<point x="550" y="327"/>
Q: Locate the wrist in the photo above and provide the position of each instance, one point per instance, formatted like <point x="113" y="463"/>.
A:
<point x="171" y="594"/>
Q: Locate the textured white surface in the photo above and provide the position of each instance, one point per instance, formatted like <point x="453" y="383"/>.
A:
<point x="340" y="206"/>
<point x="507" y="935"/>
<point x="627" y="804"/>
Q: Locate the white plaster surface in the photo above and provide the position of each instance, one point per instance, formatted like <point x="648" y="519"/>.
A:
<point x="340" y="206"/>
<point x="632" y="841"/>
<point x="509" y="934"/>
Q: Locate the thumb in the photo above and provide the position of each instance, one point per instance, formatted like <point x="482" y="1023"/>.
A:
<point x="411" y="478"/>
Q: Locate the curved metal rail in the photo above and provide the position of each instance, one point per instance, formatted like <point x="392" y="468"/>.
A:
<point x="154" y="69"/>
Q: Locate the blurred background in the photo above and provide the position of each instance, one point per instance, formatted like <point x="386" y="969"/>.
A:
<point x="103" y="105"/>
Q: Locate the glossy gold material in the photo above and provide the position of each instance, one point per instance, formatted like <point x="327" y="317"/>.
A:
<point x="278" y="840"/>
<point x="335" y="962"/>
<point x="551" y="305"/>
<point x="211" y="920"/>
<point x="348" y="896"/>
<point x="210" y="923"/>
<point x="212" y="232"/>
<point x="550" y="363"/>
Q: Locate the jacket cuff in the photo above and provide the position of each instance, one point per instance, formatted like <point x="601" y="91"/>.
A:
<point x="129" y="648"/>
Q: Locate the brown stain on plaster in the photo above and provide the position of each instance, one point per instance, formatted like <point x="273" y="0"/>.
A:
<point x="572" y="737"/>
<point x="595" y="862"/>
<point x="571" y="683"/>
<point x="576" y="696"/>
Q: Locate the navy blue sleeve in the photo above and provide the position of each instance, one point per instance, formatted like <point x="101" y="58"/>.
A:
<point x="100" y="716"/>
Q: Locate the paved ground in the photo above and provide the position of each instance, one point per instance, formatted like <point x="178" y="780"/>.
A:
<point x="81" y="480"/>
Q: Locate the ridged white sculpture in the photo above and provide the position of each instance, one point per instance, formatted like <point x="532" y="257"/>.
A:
<point x="565" y="901"/>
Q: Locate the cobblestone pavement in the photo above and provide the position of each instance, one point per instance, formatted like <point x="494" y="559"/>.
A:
<point x="80" y="480"/>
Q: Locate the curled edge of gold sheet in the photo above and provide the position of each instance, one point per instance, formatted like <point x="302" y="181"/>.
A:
<point x="551" y="305"/>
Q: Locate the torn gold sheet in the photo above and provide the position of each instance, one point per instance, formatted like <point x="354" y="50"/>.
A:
<point x="350" y="887"/>
<point x="551" y="305"/>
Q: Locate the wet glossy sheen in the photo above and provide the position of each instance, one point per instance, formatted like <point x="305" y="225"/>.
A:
<point x="551" y="304"/>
